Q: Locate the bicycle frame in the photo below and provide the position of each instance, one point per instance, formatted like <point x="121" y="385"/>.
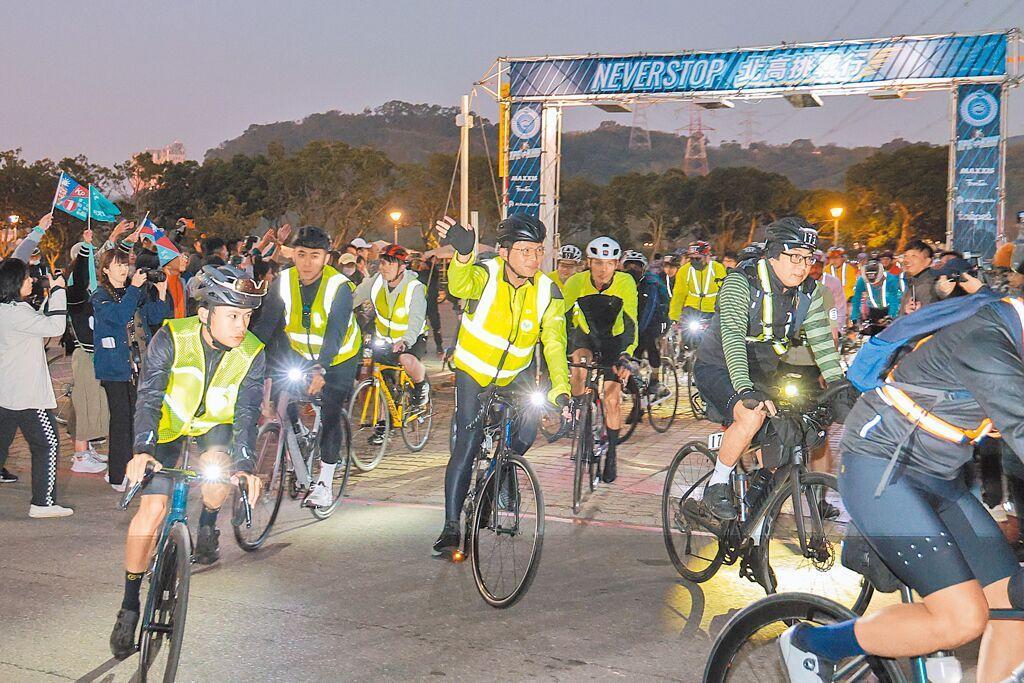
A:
<point x="380" y="384"/>
<point x="291" y="440"/>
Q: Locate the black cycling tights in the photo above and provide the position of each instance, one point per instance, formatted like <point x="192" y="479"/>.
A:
<point x="459" y="472"/>
<point x="337" y="391"/>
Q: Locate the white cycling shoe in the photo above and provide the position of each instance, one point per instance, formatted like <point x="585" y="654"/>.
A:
<point x="800" y="665"/>
<point x="319" y="496"/>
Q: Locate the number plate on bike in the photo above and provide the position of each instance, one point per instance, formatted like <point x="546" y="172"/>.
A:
<point x="715" y="440"/>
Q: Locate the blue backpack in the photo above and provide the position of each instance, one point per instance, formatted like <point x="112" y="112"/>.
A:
<point x="876" y="357"/>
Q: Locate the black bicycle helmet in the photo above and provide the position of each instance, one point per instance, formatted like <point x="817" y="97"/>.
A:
<point x="312" y="237"/>
<point x="872" y="270"/>
<point x="521" y="227"/>
<point x="226" y="286"/>
<point x="754" y="250"/>
<point x="791" y="232"/>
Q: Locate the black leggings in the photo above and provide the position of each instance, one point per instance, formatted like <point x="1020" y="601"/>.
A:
<point x="459" y="472"/>
<point x="339" y="383"/>
<point x="121" y="402"/>
<point x="434" y="318"/>
<point x="648" y="342"/>
<point x="40" y="431"/>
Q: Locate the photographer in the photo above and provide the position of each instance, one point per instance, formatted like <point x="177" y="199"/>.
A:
<point x="957" y="277"/>
<point x="117" y="354"/>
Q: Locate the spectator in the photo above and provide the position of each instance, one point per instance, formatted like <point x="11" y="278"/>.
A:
<point x="889" y="263"/>
<point x="117" y="355"/>
<point x="918" y="279"/>
<point x="177" y="278"/>
<point x="215" y="252"/>
<point x="729" y="260"/>
<point x="957" y="277"/>
<point x="27" y="401"/>
<point x="347" y="266"/>
<point x="944" y="257"/>
<point x="430" y="275"/>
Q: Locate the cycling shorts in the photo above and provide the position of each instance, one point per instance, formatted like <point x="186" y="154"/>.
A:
<point x="167" y="454"/>
<point x="388" y="357"/>
<point x="606" y="349"/>
<point x="932" y="533"/>
<point x="716" y="389"/>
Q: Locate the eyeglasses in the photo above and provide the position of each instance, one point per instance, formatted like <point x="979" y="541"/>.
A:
<point x="798" y="259"/>
<point x="536" y="252"/>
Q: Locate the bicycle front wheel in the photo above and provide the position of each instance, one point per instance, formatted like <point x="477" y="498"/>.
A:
<point x="341" y="471"/>
<point x="582" y="451"/>
<point x="163" y="624"/>
<point x="696" y="552"/>
<point x="508" y="532"/>
<point x="747" y="650"/>
<point x="416" y="420"/>
<point x="371" y="425"/>
<point x="270" y="469"/>
<point x="698" y="407"/>
<point x="662" y="408"/>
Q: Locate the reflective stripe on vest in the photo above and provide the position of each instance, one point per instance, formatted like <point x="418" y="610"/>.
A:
<point x="392" y="325"/>
<point x="767" y="317"/>
<point x="308" y="341"/>
<point x="872" y="302"/>
<point x="481" y="349"/>
<point x="187" y="378"/>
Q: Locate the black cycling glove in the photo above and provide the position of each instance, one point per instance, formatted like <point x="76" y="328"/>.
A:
<point x="461" y="239"/>
<point x="752" y="398"/>
<point x="842" y="402"/>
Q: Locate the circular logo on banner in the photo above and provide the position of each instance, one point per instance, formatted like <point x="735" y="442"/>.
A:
<point x="526" y="123"/>
<point x="979" y="108"/>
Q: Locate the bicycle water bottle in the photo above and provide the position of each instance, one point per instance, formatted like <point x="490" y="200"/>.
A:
<point x="943" y="667"/>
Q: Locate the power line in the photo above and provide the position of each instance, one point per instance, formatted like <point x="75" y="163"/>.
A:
<point x="1002" y="14"/>
<point x="831" y="33"/>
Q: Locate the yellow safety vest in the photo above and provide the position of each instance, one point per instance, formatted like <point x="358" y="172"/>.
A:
<point x="779" y="345"/>
<point x="392" y="325"/>
<point x="496" y="341"/>
<point x="308" y="341"/>
<point x="847" y="276"/>
<point x="184" y="392"/>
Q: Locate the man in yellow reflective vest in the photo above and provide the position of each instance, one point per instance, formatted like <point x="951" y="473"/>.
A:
<point x="568" y="264"/>
<point x="309" y="314"/>
<point x="510" y="305"/>
<point x="841" y="269"/>
<point x="695" y="290"/>
<point x="203" y="377"/>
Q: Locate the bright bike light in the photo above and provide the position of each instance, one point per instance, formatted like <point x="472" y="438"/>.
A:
<point x="213" y="471"/>
<point x="791" y="390"/>
<point x="538" y="399"/>
<point x="694" y="326"/>
<point x="379" y="343"/>
<point x="295" y="375"/>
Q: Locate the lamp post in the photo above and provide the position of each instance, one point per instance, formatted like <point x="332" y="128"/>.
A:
<point x="395" y="216"/>
<point x="837" y="213"/>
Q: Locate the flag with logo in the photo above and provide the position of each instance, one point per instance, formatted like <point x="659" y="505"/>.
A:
<point x="165" y="248"/>
<point x="83" y="202"/>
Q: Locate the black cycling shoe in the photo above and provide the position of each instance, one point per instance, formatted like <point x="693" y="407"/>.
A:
<point x="828" y="511"/>
<point x="122" y="638"/>
<point x="448" y="541"/>
<point x="207" y="545"/>
<point x="718" y="501"/>
<point x="377" y="438"/>
<point x="609" y="474"/>
<point x="751" y="569"/>
<point x="6" y="477"/>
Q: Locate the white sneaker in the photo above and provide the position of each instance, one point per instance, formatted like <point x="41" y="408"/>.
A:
<point x="44" y="511"/>
<point x="120" y="488"/>
<point x="802" y="666"/>
<point x="86" y="463"/>
<point x="319" y="496"/>
<point x="96" y="455"/>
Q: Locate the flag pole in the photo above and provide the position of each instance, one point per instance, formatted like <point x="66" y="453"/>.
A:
<point x="56" y="192"/>
<point x="88" y="218"/>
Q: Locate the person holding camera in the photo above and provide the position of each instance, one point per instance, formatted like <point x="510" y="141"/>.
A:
<point x="957" y="277"/>
<point x="117" y="354"/>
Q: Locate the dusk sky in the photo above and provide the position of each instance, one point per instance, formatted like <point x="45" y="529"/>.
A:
<point x="108" y="79"/>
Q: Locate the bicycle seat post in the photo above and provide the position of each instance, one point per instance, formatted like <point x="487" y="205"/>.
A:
<point x="740" y="478"/>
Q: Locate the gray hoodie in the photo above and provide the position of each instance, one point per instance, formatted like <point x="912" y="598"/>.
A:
<point x="417" y="303"/>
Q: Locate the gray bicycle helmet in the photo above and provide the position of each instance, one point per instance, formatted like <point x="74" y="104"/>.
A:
<point x="635" y="256"/>
<point x="226" y="286"/>
<point x="569" y="252"/>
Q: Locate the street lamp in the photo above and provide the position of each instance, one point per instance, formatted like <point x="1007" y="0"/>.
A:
<point x="14" y="219"/>
<point x="395" y="216"/>
<point x="837" y="213"/>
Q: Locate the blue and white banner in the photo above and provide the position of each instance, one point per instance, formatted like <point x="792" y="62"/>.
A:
<point x="807" y="65"/>
<point x="976" y="200"/>
<point x="524" y="148"/>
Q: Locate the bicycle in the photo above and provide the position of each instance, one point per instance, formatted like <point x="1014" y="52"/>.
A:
<point x="166" y="606"/>
<point x="505" y="506"/>
<point x="661" y="409"/>
<point x="687" y="339"/>
<point x="297" y="474"/>
<point x="386" y="400"/>
<point x="790" y="519"/>
<point x="589" y="440"/>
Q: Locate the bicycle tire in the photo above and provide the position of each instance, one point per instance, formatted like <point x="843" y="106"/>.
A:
<point x="598" y="447"/>
<point x="367" y="409"/>
<point x="698" y="407"/>
<point x="171" y="573"/>
<point x="672" y="522"/>
<point x="632" y="410"/>
<point x="421" y="420"/>
<point x="514" y="462"/>
<point x="668" y="406"/>
<point x="830" y="548"/>
<point x="582" y="449"/>
<point x="785" y="609"/>
<point x="270" y="468"/>
<point x="341" y="472"/>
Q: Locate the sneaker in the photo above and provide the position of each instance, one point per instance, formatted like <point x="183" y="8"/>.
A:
<point x="802" y="666"/>
<point x="122" y="638"/>
<point x="377" y="438"/>
<point x="6" y="477"/>
<point x="207" y="549"/>
<point x="609" y="474"/>
<point x="448" y="541"/>
<point x="424" y="397"/>
<point x="86" y="463"/>
<point x="320" y="496"/>
<point x="718" y="501"/>
<point x="828" y="511"/>
<point x="120" y="488"/>
<point x="658" y="390"/>
<point x="44" y="511"/>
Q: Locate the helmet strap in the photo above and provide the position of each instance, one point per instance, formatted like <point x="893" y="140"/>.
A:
<point x="209" y="331"/>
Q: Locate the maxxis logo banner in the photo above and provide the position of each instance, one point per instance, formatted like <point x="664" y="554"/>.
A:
<point x="524" y="149"/>
<point x="977" y="203"/>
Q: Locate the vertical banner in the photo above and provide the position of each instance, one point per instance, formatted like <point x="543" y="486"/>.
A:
<point x="977" y="169"/>
<point x="524" y="150"/>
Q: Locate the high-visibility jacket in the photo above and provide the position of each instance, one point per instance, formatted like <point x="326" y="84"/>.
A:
<point x="501" y="324"/>
<point x="392" y="324"/>
<point x="847" y="276"/>
<point x="306" y="332"/>
<point x="184" y="394"/>
<point x="553" y="274"/>
<point x="578" y="290"/>
<point x="696" y="289"/>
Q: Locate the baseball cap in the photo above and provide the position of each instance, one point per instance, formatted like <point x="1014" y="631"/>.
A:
<point x="360" y="243"/>
<point x="955" y="267"/>
<point x="346" y="259"/>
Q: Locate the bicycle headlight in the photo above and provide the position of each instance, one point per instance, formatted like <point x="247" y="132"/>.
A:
<point x="538" y="399"/>
<point x="379" y="343"/>
<point x="213" y="472"/>
<point x="295" y="374"/>
<point x="694" y="326"/>
<point x="791" y="390"/>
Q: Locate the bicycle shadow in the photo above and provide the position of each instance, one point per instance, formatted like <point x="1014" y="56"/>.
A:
<point x="102" y="673"/>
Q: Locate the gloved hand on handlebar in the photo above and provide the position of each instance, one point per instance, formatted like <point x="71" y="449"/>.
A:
<point x="625" y="366"/>
<point x="753" y="399"/>
<point x="842" y="401"/>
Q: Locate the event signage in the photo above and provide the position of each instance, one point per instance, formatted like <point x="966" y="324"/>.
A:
<point x="977" y="168"/>
<point x="524" y="149"/>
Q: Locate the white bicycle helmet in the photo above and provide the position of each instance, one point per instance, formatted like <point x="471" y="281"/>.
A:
<point x="570" y="253"/>
<point x="604" y="248"/>
<point x="633" y="255"/>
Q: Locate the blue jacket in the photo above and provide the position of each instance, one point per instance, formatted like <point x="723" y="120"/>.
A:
<point x="112" y="358"/>
<point x="886" y="296"/>
<point x="652" y="303"/>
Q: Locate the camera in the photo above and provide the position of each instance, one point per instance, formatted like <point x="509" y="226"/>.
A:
<point x="154" y="274"/>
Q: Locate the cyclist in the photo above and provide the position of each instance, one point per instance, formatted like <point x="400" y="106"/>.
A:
<point x="510" y="305"/>
<point x="312" y="303"/>
<point x="652" y="314"/>
<point x="838" y="267"/>
<point x="904" y="453"/>
<point x="696" y="290"/>
<point x="602" y="303"/>
<point x="568" y="264"/>
<point x="669" y="268"/>
<point x="764" y="307"/>
<point x="882" y="291"/>
<point x="400" y="303"/>
<point x="203" y="377"/>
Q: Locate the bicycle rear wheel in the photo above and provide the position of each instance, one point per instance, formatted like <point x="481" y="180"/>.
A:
<point x="416" y="420"/>
<point x="508" y="532"/>
<point x="270" y="469"/>
<point x="698" y="407"/>
<point x="747" y="650"/>
<point x="598" y="443"/>
<point x="662" y="409"/>
<point x="341" y="472"/>
<point x="163" y="624"/>
<point x="696" y="553"/>
<point x="631" y="409"/>
<point x="370" y="419"/>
